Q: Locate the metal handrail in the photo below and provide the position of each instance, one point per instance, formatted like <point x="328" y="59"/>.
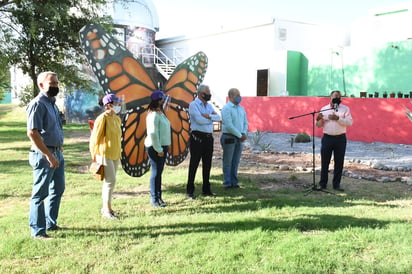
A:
<point x="151" y="54"/>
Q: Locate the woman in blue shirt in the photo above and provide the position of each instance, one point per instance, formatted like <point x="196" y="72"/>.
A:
<point x="157" y="141"/>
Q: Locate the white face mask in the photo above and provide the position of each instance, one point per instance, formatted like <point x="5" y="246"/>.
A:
<point x="117" y="109"/>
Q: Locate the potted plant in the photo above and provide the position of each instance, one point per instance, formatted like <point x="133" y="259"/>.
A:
<point x="392" y="95"/>
<point x="400" y="94"/>
<point x="385" y="94"/>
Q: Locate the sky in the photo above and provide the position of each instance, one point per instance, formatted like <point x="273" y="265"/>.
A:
<point x="185" y="17"/>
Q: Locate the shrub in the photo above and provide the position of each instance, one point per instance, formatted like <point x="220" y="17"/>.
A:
<point x="257" y="141"/>
<point x="302" y="138"/>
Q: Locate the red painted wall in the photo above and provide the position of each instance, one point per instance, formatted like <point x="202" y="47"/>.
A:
<point x="374" y="119"/>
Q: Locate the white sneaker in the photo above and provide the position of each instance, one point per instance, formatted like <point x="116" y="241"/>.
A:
<point x="109" y="215"/>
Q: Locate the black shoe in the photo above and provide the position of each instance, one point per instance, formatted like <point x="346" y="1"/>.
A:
<point x="191" y="196"/>
<point x="210" y="193"/>
<point x="322" y="187"/>
<point x="155" y="204"/>
<point x="338" y="189"/>
<point x="44" y="237"/>
<point x="162" y="203"/>
<point x="227" y="187"/>
<point x="55" y="228"/>
<point x="235" y="186"/>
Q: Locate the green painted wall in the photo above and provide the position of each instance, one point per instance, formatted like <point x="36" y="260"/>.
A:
<point x="387" y="67"/>
<point x="297" y="72"/>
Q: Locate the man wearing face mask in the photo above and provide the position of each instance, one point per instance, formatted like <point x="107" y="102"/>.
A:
<point x="202" y="116"/>
<point x="105" y="147"/>
<point x="334" y="120"/>
<point x="234" y="129"/>
<point x="45" y="131"/>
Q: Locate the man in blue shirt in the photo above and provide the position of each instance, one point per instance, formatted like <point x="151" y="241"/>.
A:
<point x="44" y="128"/>
<point x="234" y="129"/>
<point x="202" y="116"/>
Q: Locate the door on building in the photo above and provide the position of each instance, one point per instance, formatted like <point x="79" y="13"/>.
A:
<point x="262" y="82"/>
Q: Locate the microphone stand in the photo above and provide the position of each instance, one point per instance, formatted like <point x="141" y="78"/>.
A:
<point x="314" y="187"/>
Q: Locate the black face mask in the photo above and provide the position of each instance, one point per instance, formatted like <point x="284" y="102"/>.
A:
<point x="52" y="92"/>
<point x="336" y="101"/>
<point x="207" y="97"/>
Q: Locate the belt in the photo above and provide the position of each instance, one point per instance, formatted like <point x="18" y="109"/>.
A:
<point x="202" y="134"/>
<point x="58" y="148"/>
<point x="230" y="134"/>
<point x="334" y="136"/>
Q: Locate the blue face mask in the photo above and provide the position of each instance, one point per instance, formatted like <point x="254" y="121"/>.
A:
<point x="238" y="99"/>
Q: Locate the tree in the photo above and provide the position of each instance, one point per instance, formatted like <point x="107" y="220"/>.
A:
<point x="42" y="35"/>
<point x="4" y="76"/>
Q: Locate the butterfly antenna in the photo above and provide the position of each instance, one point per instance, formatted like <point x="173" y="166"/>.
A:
<point x="159" y="85"/>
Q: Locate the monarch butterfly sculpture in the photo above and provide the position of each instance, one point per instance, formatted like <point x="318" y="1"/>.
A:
<point x="120" y="73"/>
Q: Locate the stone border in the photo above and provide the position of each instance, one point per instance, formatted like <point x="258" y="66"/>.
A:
<point x="346" y="173"/>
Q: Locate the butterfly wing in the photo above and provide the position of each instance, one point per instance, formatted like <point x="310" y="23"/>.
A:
<point x="120" y="73"/>
<point x="115" y="67"/>
<point x="135" y="160"/>
<point x="182" y="86"/>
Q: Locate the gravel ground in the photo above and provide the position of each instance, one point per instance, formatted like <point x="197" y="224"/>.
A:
<point x="376" y="153"/>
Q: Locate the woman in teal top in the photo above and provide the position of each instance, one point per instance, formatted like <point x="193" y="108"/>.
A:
<point x="157" y="142"/>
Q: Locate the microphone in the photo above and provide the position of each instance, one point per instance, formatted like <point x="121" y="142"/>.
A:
<point x="336" y="102"/>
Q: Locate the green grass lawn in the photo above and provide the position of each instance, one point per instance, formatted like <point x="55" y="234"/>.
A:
<point x="247" y="230"/>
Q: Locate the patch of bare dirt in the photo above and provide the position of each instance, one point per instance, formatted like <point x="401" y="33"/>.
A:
<point x="304" y="161"/>
<point x="264" y="167"/>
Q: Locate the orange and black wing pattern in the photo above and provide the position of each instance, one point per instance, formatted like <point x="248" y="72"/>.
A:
<point x="181" y="87"/>
<point x="120" y="73"/>
<point x="115" y="67"/>
<point x="135" y="160"/>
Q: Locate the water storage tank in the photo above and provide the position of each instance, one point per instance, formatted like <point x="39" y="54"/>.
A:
<point x="141" y="13"/>
<point x="136" y="24"/>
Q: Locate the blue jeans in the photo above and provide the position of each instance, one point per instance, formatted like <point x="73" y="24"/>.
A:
<point x="47" y="183"/>
<point x="232" y="149"/>
<point x="157" y="163"/>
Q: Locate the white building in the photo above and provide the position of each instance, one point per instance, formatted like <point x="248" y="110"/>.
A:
<point x="254" y="58"/>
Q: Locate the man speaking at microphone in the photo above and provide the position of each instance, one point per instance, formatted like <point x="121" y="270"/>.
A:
<point x="334" y="118"/>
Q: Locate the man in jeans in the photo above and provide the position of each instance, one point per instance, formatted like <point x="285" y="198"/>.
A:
<point x="44" y="128"/>
<point x="234" y="129"/>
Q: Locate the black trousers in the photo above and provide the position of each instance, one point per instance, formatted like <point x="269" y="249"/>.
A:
<point x="201" y="147"/>
<point x="337" y="145"/>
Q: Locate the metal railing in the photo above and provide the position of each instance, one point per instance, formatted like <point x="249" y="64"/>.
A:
<point x="150" y="54"/>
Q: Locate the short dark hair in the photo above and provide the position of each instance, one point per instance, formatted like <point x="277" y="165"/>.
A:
<point x="154" y="104"/>
<point x="335" y="91"/>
